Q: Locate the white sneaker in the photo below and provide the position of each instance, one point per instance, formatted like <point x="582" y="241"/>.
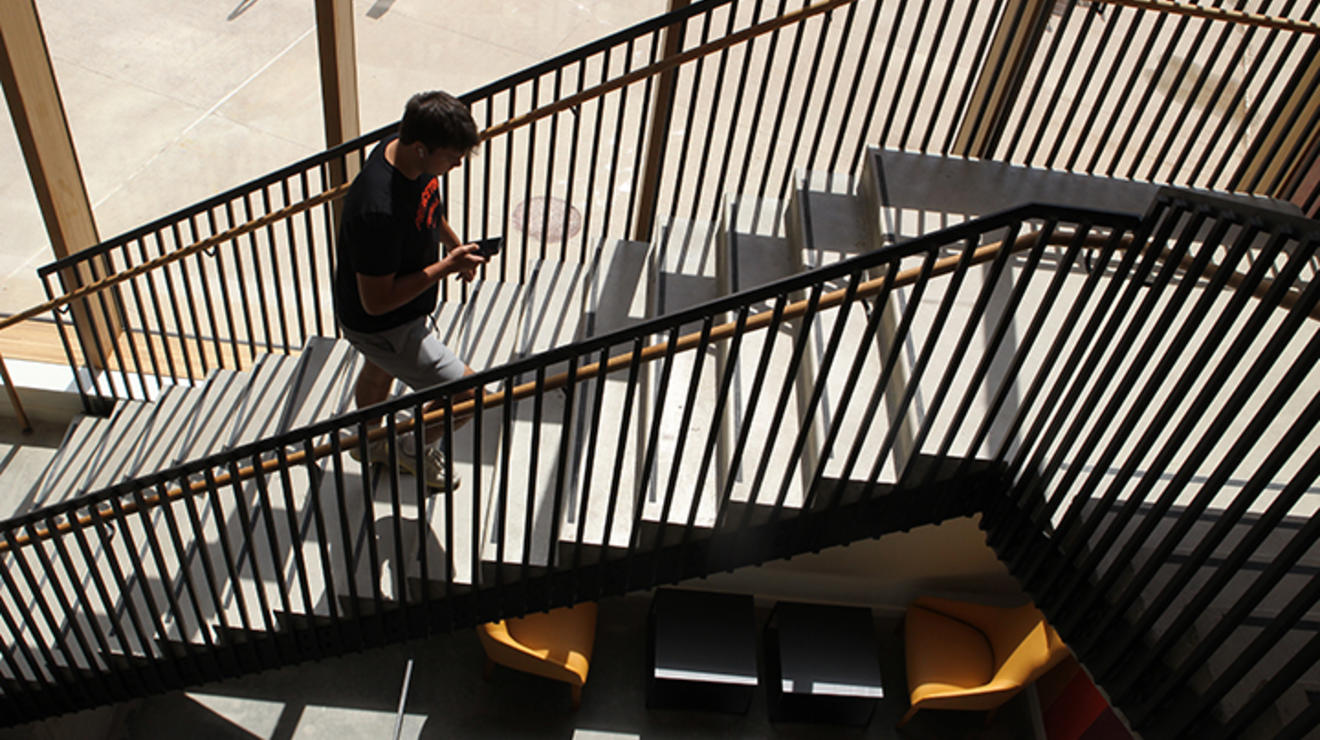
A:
<point x="377" y="452"/>
<point x="433" y="460"/>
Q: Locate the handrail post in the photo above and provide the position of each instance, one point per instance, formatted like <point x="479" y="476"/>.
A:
<point x="14" y="401"/>
<point x="658" y="135"/>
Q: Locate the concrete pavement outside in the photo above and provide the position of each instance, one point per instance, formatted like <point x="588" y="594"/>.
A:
<point x="172" y="102"/>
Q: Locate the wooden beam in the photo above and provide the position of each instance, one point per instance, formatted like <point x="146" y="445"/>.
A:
<point x="1277" y="153"/>
<point x="339" y="86"/>
<point x="1000" y="78"/>
<point x="52" y="161"/>
<point x="1227" y="15"/>
<point x="662" y="106"/>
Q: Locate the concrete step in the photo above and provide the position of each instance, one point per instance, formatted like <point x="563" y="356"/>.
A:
<point x="170" y="415"/>
<point x="278" y="556"/>
<point x="828" y="222"/>
<point x="113" y="460"/>
<point x="208" y="427"/>
<point x="281" y="392"/>
<point x="369" y="566"/>
<point x="68" y="469"/>
<point x="484" y="327"/>
<point x="615" y="300"/>
<point x="752" y="255"/>
<point x="523" y="493"/>
<point x="262" y="400"/>
<point x="683" y="274"/>
<point x="565" y="303"/>
<point x="26" y="461"/>
<point x="322" y="385"/>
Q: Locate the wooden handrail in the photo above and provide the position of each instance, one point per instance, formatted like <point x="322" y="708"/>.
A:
<point x="502" y="128"/>
<point x="340" y="190"/>
<point x="616" y="363"/>
<point x="1236" y="279"/>
<point x="1220" y="14"/>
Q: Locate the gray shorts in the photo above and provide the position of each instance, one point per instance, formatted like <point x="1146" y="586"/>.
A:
<point x="411" y="353"/>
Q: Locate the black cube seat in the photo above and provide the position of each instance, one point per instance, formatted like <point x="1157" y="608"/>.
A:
<point x="701" y="651"/>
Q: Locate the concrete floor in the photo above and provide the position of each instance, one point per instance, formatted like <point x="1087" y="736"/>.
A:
<point x="356" y="697"/>
<point x="187" y="99"/>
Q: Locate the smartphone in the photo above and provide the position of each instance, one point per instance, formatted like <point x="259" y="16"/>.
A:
<point x="490" y="247"/>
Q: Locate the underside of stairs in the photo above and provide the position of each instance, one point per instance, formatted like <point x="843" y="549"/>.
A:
<point x="171" y="563"/>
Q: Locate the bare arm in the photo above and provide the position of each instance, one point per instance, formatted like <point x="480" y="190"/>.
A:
<point x="383" y="293"/>
<point x="447" y="236"/>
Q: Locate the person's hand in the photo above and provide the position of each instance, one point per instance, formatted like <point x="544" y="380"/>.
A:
<point x="464" y="261"/>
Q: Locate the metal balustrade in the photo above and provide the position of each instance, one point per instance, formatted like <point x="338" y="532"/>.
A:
<point x="1128" y="403"/>
<point x="739" y="119"/>
<point x="287" y="548"/>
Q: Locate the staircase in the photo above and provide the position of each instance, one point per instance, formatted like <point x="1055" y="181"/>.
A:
<point x="914" y="402"/>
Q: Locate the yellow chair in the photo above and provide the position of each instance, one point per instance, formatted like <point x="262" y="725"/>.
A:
<point x="556" y="644"/>
<point x="973" y="657"/>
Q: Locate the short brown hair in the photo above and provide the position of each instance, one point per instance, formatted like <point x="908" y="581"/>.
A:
<point x="438" y="120"/>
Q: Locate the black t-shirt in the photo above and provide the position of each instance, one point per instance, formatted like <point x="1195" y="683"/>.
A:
<point x="389" y="225"/>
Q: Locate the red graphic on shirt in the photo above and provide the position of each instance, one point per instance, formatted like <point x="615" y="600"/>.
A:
<point x="426" y="207"/>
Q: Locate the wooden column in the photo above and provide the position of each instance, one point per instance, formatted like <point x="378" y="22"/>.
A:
<point x="52" y="162"/>
<point x="339" y="88"/>
<point x="1000" y="80"/>
<point x="656" y="138"/>
<point x="1278" y="162"/>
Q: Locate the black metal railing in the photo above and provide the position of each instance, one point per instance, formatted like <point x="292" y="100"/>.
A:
<point x="1092" y="357"/>
<point x="1172" y="473"/>
<point x="741" y="119"/>
<point x="288" y="548"/>
<point x="1065" y="366"/>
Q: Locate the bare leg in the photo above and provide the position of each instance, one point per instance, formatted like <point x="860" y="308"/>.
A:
<point x="373" y="386"/>
<point x="436" y="430"/>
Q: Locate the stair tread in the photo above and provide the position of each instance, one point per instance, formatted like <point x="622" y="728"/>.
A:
<point x="114" y="457"/>
<point x="752" y="255"/>
<point x="476" y="329"/>
<point x="69" y="467"/>
<point x="555" y="314"/>
<point x="207" y="428"/>
<point x="608" y="309"/>
<point x="169" y="417"/>
<point x="685" y="275"/>
<point x="262" y="400"/>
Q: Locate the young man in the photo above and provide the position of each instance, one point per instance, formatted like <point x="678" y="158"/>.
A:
<point x="389" y="263"/>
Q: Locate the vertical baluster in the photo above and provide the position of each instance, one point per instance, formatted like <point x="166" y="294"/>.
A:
<point x="202" y="368"/>
<point x="248" y="547"/>
<point x="865" y="348"/>
<point x="87" y="673"/>
<point x="182" y="559"/>
<point x="295" y="274"/>
<point x="1026" y="107"/>
<point x="938" y="106"/>
<point x="189" y="656"/>
<point x="350" y="555"/>
<point x="650" y="447"/>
